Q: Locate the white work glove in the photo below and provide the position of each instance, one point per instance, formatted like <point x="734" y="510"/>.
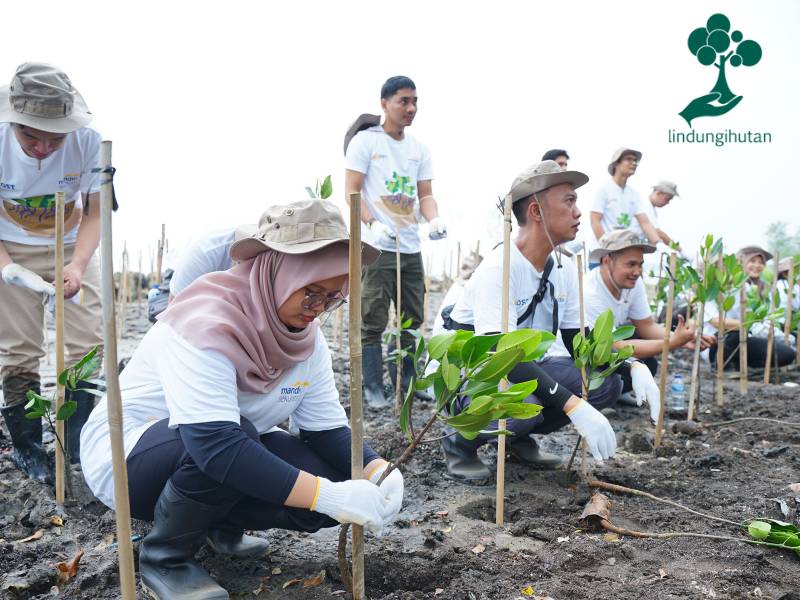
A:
<point x="595" y="429"/>
<point x="14" y="274"/>
<point x="392" y="489"/>
<point x="380" y="230"/>
<point x="437" y="229"/>
<point x="645" y="389"/>
<point x="354" y="501"/>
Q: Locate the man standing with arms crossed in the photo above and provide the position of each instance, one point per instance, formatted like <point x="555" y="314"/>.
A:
<point x="45" y="147"/>
<point x="393" y="173"/>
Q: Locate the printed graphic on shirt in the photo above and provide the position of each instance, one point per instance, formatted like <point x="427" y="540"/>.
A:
<point x="624" y="221"/>
<point x="293" y="392"/>
<point x="399" y="205"/>
<point x="36" y="214"/>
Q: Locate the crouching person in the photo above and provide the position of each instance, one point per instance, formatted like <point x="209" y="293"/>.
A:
<point x="543" y="294"/>
<point x="234" y="355"/>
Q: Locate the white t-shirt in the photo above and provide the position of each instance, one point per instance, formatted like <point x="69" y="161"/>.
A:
<point x="619" y="206"/>
<point x="631" y="306"/>
<point x="393" y="170"/>
<point x="205" y="254"/>
<point x="480" y="304"/>
<point x="168" y="378"/>
<point x="28" y="186"/>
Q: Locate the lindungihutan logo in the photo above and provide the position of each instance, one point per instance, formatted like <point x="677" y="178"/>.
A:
<point x="716" y="45"/>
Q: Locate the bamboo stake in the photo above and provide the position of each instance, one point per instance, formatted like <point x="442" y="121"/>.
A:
<point x="123" y="294"/>
<point x="771" y="334"/>
<point x="139" y="287"/>
<point x="337" y="329"/>
<point x="398" y="389"/>
<point x="160" y="260"/>
<point x="662" y="383"/>
<point x="356" y="406"/>
<point x="113" y="396"/>
<point x="458" y="261"/>
<point x="742" y="344"/>
<point x="787" y="326"/>
<point x="477" y="249"/>
<point x="584" y="384"/>
<point x="694" y="387"/>
<point x="60" y="475"/>
<point x="720" y="344"/>
<point x="501" y="425"/>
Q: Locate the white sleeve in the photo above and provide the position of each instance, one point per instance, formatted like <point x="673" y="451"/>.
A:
<point x="320" y="409"/>
<point x="425" y="171"/>
<point x="599" y="202"/>
<point x="358" y="153"/>
<point x="488" y="307"/>
<point x="199" y="385"/>
<point x="196" y="260"/>
<point x="639" y="307"/>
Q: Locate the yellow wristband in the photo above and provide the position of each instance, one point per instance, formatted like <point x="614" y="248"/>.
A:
<point x="574" y="408"/>
<point x="375" y="468"/>
<point x="316" y="495"/>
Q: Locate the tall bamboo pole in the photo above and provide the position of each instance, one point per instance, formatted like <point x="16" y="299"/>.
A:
<point x="501" y="425"/>
<point x="742" y="344"/>
<point x="662" y="382"/>
<point x="160" y="260"/>
<point x="113" y="395"/>
<point x="771" y="334"/>
<point x="139" y="287"/>
<point x="122" y="294"/>
<point x="720" y="341"/>
<point x="398" y="388"/>
<point x="694" y="387"/>
<point x="458" y="261"/>
<point x="60" y="475"/>
<point x="356" y="406"/>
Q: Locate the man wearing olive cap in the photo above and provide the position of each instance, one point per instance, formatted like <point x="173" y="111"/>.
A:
<point x="45" y="147"/>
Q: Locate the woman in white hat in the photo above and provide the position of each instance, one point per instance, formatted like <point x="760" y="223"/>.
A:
<point x="237" y="353"/>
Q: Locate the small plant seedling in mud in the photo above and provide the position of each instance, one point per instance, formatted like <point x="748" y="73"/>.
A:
<point x="757" y="309"/>
<point x="321" y="191"/>
<point x="776" y="534"/>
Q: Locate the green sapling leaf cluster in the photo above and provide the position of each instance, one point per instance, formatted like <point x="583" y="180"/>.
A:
<point x="595" y="352"/>
<point x="321" y="191"/>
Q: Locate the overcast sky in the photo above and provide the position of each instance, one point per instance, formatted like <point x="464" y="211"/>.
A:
<point x="217" y="110"/>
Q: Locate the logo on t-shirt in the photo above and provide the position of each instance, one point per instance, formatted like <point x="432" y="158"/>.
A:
<point x="69" y="178"/>
<point x="7" y="186"/>
<point x="289" y="393"/>
<point x="36" y="214"/>
<point x="399" y="205"/>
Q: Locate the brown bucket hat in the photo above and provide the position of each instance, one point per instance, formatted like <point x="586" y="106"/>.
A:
<point x="298" y="228"/>
<point x="363" y="122"/>
<point x="618" y="154"/>
<point x="543" y="175"/>
<point x="41" y="96"/>
<point x="619" y="239"/>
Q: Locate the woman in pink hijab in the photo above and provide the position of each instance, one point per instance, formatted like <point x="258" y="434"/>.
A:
<point x="236" y="354"/>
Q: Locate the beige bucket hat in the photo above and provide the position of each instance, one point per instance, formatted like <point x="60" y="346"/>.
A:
<point x="667" y="187"/>
<point x="298" y="228"/>
<point x="363" y="122"/>
<point x="619" y="239"/>
<point x="619" y="153"/>
<point x="746" y="253"/>
<point x="43" y="97"/>
<point x="543" y="175"/>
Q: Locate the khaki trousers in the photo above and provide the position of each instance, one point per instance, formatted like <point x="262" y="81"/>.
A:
<point x="22" y="313"/>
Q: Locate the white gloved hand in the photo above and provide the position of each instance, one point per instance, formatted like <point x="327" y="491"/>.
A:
<point x="380" y="230"/>
<point x="595" y="429"/>
<point x="354" y="501"/>
<point x="437" y="229"/>
<point x="392" y="488"/>
<point x="14" y="274"/>
<point x="645" y="389"/>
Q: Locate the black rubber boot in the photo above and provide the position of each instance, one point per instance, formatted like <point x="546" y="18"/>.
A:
<point x="372" y="365"/>
<point x="26" y="434"/>
<point x="406" y="375"/>
<point x="74" y="425"/>
<point x="166" y="557"/>
<point x="235" y="542"/>
<point x="527" y="450"/>
<point x="462" y="460"/>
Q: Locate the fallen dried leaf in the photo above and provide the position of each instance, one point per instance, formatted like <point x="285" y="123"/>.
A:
<point x="276" y="570"/>
<point x="596" y="510"/>
<point x="315" y="580"/>
<point x="292" y="582"/>
<point x="37" y="535"/>
<point x="68" y="570"/>
<point x="478" y="549"/>
<point x="107" y="540"/>
<point x="528" y="591"/>
<point x="57" y="521"/>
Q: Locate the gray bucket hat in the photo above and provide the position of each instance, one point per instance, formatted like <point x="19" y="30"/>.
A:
<point x="41" y="96"/>
<point x="617" y="240"/>
<point x="363" y="122"/>
<point x="298" y="228"/>
<point x="543" y="175"/>
<point x="667" y="187"/>
<point x="618" y="154"/>
<point x="746" y="253"/>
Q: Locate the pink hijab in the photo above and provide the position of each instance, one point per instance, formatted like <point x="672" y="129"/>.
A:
<point x="235" y="312"/>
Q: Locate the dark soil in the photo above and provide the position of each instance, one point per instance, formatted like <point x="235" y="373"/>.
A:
<point x="445" y="543"/>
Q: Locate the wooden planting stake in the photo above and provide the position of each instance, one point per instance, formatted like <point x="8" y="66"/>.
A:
<point x="662" y="382"/>
<point x="139" y="287"/>
<point x="584" y="384"/>
<point x="113" y="395"/>
<point x="398" y="317"/>
<point x="356" y="406"/>
<point x="720" y="343"/>
<point x="694" y="387"/>
<point x="787" y="327"/>
<point x="742" y="344"/>
<point x="458" y="261"/>
<point x="160" y="260"/>
<point x="501" y="425"/>
<point x="122" y="294"/>
<point x="771" y="334"/>
<point x="59" y="276"/>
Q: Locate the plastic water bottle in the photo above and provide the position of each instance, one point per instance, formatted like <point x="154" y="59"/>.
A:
<point x="677" y="396"/>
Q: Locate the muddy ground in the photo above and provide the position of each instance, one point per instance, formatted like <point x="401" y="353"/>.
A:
<point x="445" y="543"/>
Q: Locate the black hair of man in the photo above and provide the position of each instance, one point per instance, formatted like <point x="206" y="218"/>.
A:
<point x="394" y="85"/>
<point x="520" y="209"/>
<point x="554" y="154"/>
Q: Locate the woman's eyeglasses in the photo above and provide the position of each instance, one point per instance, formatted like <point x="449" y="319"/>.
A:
<point x="315" y="300"/>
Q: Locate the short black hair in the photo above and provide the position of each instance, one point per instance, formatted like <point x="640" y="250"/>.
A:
<point x="395" y="84"/>
<point x="520" y="209"/>
<point x="554" y="154"/>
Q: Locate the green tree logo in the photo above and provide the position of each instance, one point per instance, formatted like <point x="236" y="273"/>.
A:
<point x="715" y="44"/>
